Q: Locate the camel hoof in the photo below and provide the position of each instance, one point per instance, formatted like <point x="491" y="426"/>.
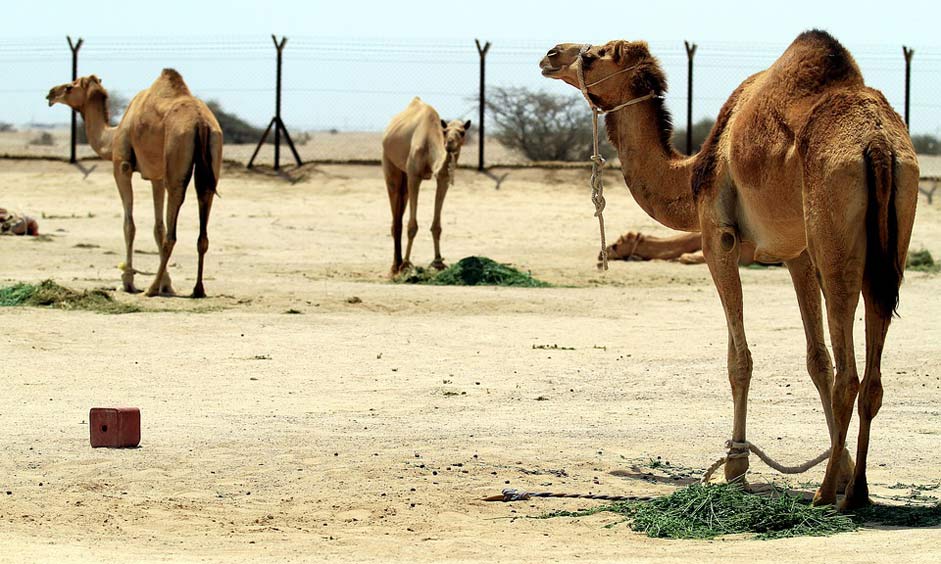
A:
<point x="438" y="265"/>
<point x="198" y="292"/>
<point x="857" y="497"/>
<point x="822" y="498"/>
<point x="131" y="289"/>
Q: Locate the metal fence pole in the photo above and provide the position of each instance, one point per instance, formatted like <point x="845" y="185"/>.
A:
<point x="74" y="47"/>
<point x="908" y="80"/>
<point x="276" y="122"/>
<point x="482" y="51"/>
<point x="690" y="52"/>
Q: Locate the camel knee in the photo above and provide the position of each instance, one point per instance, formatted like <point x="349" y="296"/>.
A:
<point x="820" y="367"/>
<point x="870" y="399"/>
<point x="845" y="390"/>
<point x="202" y="245"/>
<point x="436" y="231"/>
<point x="412" y="230"/>
<point x="740" y="369"/>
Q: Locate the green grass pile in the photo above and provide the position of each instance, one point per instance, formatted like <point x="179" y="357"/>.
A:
<point x="50" y="294"/>
<point x="922" y="261"/>
<point x="713" y="510"/>
<point x="473" y="271"/>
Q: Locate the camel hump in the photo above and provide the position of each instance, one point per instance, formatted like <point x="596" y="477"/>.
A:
<point x="170" y="84"/>
<point x="816" y="60"/>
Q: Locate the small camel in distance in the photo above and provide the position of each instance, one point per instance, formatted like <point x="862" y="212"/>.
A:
<point x="166" y="135"/>
<point x="418" y="145"/>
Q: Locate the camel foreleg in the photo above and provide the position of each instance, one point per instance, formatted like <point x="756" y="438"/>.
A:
<point x="122" y="177"/>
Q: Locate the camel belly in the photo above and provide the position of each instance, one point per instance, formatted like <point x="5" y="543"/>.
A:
<point x="776" y="230"/>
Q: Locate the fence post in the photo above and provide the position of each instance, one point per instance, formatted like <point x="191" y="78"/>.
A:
<point x="276" y="121"/>
<point x="74" y="47"/>
<point x="482" y="51"/>
<point x="690" y="52"/>
<point x="908" y="80"/>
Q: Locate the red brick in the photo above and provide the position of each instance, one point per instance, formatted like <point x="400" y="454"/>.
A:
<point x="114" y="427"/>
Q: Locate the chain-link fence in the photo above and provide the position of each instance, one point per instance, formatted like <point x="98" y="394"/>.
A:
<point x="338" y="94"/>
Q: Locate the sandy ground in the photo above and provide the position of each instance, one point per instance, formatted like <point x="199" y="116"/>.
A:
<point x="368" y="432"/>
<point x="312" y="146"/>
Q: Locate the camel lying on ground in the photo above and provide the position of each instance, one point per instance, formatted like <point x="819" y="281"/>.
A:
<point x="166" y="135"/>
<point x="805" y="165"/>
<point x="634" y="245"/>
<point x="12" y="223"/>
<point x="419" y="145"/>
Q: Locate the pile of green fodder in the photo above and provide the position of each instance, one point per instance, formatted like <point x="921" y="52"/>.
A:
<point x="49" y="294"/>
<point x="713" y="510"/>
<point x="473" y="271"/>
<point x="921" y="261"/>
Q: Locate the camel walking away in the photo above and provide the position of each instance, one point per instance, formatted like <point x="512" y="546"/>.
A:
<point x="805" y="165"/>
<point x="167" y="135"/>
<point x="418" y="145"/>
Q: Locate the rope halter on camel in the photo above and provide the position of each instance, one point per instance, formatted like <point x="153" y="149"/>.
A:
<point x="597" y="161"/>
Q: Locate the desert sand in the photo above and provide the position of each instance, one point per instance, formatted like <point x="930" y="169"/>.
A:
<point x="369" y="429"/>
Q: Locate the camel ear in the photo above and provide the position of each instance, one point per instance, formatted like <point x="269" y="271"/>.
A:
<point x="617" y="52"/>
<point x="94" y="79"/>
<point x="444" y="124"/>
<point x="83" y="82"/>
<point x="467" y="125"/>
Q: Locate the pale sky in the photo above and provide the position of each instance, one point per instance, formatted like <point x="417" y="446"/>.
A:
<point x="351" y="65"/>
<point x="858" y="21"/>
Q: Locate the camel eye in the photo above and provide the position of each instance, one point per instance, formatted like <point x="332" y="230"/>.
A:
<point x="69" y="88"/>
<point x="601" y="53"/>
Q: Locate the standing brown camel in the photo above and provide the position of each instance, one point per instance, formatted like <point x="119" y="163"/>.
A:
<point x="416" y="146"/>
<point x="166" y="134"/>
<point x="805" y="165"/>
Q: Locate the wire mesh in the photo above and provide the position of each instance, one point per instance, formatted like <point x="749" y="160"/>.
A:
<point x="339" y="93"/>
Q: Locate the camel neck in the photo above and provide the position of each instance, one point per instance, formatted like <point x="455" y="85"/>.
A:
<point x="657" y="176"/>
<point x="99" y="133"/>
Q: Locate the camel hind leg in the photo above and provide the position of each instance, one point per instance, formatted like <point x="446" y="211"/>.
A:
<point x="396" y="185"/>
<point x="178" y="171"/>
<point x="819" y="365"/>
<point x="160" y="230"/>
<point x="836" y="242"/>
<point x="207" y="159"/>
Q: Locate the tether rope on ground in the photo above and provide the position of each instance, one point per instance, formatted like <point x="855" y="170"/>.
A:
<point x="736" y="450"/>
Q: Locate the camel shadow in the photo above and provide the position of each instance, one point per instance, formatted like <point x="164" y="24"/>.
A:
<point x="673" y="477"/>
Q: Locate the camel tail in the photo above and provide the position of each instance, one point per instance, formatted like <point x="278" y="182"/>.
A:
<point x="884" y="269"/>
<point x="202" y="158"/>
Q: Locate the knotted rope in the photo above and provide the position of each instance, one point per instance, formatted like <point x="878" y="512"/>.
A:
<point x="741" y="450"/>
<point x="597" y="161"/>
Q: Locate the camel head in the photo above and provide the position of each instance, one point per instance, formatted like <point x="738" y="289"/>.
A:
<point x="455" y="132"/>
<point x="613" y="73"/>
<point x="75" y="94"/>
